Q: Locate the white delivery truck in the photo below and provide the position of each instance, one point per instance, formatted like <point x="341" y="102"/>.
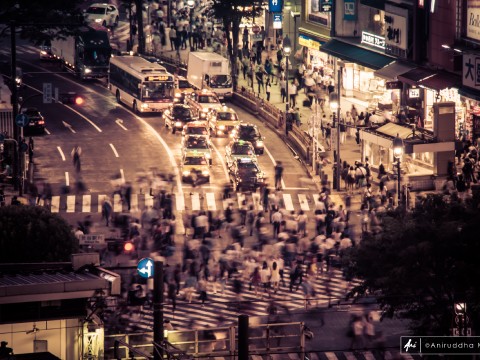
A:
<point x="208" y="70"/>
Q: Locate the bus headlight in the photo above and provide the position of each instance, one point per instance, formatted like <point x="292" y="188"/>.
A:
<point x="98" y="20"/>
<point x="186" y="172"/>
<point x="87" y="71"/>
<point x="208" y="156"/>
<point x="205" y="172"/>
<point x="222" y="127"/>
<point x="144" y="106"/>
<point x="178" y="123"/>
<point x="259" y="143"/>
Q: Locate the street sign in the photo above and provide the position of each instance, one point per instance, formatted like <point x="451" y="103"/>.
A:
<point x="22" y="120"/>
<point x="326" y="5"/>
<point x="47" y="93"/>
<point x="145" y="268"/>
<point x="277" y="21"/>
<point x="255" y="29"/>
<point x="257" y="37"/>
<point x="92" y="239"/>
<point x="275" y="6"/>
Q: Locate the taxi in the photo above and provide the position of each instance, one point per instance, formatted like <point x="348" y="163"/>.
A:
<point x="250" y="132"/>
<point x="246" y="175"/>
<point x="176" y="116"/>
<point x="182" y="89"/>
<point x="223" y="121"/>
<point x="196" y="128"/>
<point x="239" y="149"/>
<point x="199" y="143"/>
<point x="194" y="167"/>
<point x="203" y="101"/>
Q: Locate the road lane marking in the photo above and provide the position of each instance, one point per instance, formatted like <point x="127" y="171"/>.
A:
<point x="122" y="175"/>
<point x="296" y="188"/>
<point x="274" y="164"/>
<point x="256" y="201"/>
<point x="179" y="201"/>
<point x="67" y="125"/>
<point x="220" y="157"/>
<point x="148" y="200"/>
<point x="114" y="150"/>
<point x="55" y="206"/>
<point x="240" y="198"/>
<point x="119" y="122"/>
<point x="61" y="153"/>
<point x="67" y="179"/>
<point x="101" y="198"/>
<point x="287" y="200"/>
<point x="70" y="203"/>
<point x="211" y="201"/>
<point x="86" y="203"/>
<point x="134" y="202"/>
<point x="302" y="198"/>
<point x="48" y="132"/>
<point x="117" y="203"/>
<point x="195" y="202"/>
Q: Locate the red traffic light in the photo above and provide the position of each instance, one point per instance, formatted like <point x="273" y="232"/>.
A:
<point x="79" y="100"/>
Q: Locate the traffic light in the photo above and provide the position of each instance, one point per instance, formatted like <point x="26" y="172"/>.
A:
<point x="128" y="247"/>
<point x="79" y="100"/>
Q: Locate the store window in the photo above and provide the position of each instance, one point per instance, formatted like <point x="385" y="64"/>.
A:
<point x="316" y="16"/>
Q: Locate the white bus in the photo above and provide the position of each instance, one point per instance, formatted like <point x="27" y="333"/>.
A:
<point x="140" y="84"/>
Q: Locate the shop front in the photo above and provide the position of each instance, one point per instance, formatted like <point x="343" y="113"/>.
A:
<point x="310" y="51"/>
<point x="470" y="96"/>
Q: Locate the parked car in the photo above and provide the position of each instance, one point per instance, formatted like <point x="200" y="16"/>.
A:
<point x="103" y="14"/>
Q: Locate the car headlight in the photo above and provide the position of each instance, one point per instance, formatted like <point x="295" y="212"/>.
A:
<point x="259" y="143"/>
<point x="98" y="20"/>
<point x="207" y="155"/>
<point x="178" y="123"/>
<point x="87" y="71"/>
<point x="43" y="52"/>
<point x="144" y="106"/>
<point x="205" y="172"/>
<point x="222" y="127"/>
<point x="186" y="172"/>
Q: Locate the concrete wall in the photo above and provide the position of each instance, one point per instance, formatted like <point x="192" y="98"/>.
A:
<point x="442" y="31"/>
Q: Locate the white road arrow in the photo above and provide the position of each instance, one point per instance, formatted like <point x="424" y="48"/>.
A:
<point x="67" y="125"/>
<point x="120" y="123"/>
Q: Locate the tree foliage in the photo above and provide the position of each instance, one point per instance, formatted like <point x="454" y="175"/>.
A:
<point x="231" y="13"/>
<point x="50" y="19"/>
<point x="33" y="234"/>
<point x="423" y="262"/>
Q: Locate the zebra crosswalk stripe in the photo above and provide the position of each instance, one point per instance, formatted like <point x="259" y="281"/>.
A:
<point x="101" y="198"/>
<point x="70" y="203"/>
<point x="117" y="203"/>
<point x="55" y="206"/>
<point x="211" y="201"/>
<point x="180" y="202"/>
<point x="302" y="198"/>
<point x="134" y="202"/>
<point x="86" y="203"/>
<point x="196" y="202"/>
<point x="287" y="200"/>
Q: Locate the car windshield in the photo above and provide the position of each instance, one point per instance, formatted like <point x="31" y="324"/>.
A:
<point x="195" y="160"/>
<point x="208" y="99"/>
<point x="96" y="10"/>
<point x="181" y="112"/>
<point x="248" y="132"/>
<point x="97" y="57"/>
<point x="196" y="130"/>
<point x="242" y="149"/>
<point x="184" y="84"/>
<point x="247" y="169"/>
<point x="157" y="90"/>
<point x="220" y="81"/>
<point x="196" y="143"/>
<point x="227" y="116"/>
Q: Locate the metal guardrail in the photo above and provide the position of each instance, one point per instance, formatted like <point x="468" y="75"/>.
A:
<point x="215" y="342"/>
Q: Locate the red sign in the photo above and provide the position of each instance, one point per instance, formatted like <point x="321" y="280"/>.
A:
<point x="476" y="110"/>
<point x="256" y="29"/>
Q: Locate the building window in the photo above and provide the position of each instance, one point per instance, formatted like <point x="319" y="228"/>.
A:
<point x="316" y="16"/>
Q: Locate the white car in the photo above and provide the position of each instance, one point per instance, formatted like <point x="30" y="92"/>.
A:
<point x="102" y="14"/>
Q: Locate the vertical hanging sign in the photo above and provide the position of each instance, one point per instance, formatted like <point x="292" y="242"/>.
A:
<point x="349" y="10"/>
<point x="326" y="5"/>
<point x="275" y="6"/>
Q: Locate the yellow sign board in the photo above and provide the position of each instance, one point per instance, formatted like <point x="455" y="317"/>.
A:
<point x="310" y="43"/>
<point x="159" y="78"/>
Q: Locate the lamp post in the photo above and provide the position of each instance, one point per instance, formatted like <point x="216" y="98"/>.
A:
<point x="287" y="49"/>
<point x="294" y="15"/>
<point x="335" y="108"/>
<point x="398" y="149"/>
<point x="461" y="320"/>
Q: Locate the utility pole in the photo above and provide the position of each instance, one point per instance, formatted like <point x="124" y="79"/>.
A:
<point x="141" y="32"/>
<point x="158" y="336"/>
<point x="16" y="131"/>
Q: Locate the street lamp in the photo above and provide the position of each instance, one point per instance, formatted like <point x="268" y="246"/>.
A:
<point x="398" y="149"/>
<point x="295" y="15"/>
<point x="334" y="101"/>
<point x="287" y="50"/>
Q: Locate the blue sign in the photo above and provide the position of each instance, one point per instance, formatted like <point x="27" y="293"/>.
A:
<point x="145" y="268"/>
<point x="23" y="147"/>
<point x="22" y="120"/>
<point x="2" y="138"/>
<point x="275" y="6"/>
<point x="277" y="21"/>
<point x="349" y="11"/>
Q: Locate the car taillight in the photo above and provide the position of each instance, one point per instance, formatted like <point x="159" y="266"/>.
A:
<point x="41" y="121"/>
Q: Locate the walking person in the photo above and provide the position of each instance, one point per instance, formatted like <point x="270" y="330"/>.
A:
<point x="292" y="91"/>
<point x="76" y="153"/>
<point x="172" y="35"/>
<point x="265" y="278"/>
<point x="30" y="149"/>
<point x="107" y="210"/>
<point x="283" y="89"/>
<point x="268" y="88"/>
<point x="278" y="175"/>
<point x="275" y="277"/>
<point x="259" y="77"/>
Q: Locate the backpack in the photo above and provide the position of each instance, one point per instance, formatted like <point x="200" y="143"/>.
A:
<point x="258" y="223"/>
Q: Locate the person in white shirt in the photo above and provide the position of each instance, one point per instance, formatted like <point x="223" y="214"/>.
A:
<point x="265" y="274"/>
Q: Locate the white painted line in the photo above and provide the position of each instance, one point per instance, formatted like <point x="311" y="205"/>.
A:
<point x="211" y="201"/>
<point x="256" y="201"/>
<point x="67" y="125"/>
<point x="287" y="200"/>
<point x="48" y="132"/>
<point x="295" y="188"/>
<point x="331" y="356"/>
<point x="220" y="157"/>
<point x="61" y="153"/>
<point x="67" y="179"/>
<point x="240" y="198"/>
<point x="134" y="202"/>
<point x="195" y="202"/>
<point x="119" y="122"/>
<point x="179" y="201"/>
<point x="122" y="175"/>
<point x="55" y="207"/>
<point x="70" y="203"/>
<point x="148" y="200"/>
<point x="86" y="203"/>
<point x="114" y="150"/>
<point x="100" y="202"/>
<point x="302" y="198"/>
<point x="117" y="203"/>
<point x="274" y="163"/>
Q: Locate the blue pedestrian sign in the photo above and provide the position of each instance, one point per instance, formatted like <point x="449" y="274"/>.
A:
<point x="22" y="120"/>
<point x="145" y="268"/>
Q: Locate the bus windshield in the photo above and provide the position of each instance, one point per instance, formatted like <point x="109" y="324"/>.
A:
<point x="157" y="90"/>
<point x="96" y="57"/>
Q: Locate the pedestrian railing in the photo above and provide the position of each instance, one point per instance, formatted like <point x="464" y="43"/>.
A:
<point x="216" y="342"/>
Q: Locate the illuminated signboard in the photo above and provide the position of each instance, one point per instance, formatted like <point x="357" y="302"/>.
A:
<point x="275" y="6"/>
<point x="414" y="93"/>
<point x="159" y="78"/>
<point x="374" y="40"/>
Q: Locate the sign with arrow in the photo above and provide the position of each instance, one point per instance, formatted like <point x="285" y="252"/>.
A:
<point x="22" y="120"/>
<point x="145" y="268"/>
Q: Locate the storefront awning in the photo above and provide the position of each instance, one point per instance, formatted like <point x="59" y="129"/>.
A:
<point x="469" y="93"/>
<point x="395" y="130"/>
<point x="391" y="71"/>
<point x="413" y="77"/>
<point x="442" y="80"/>
<point x="355" y="54"/>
